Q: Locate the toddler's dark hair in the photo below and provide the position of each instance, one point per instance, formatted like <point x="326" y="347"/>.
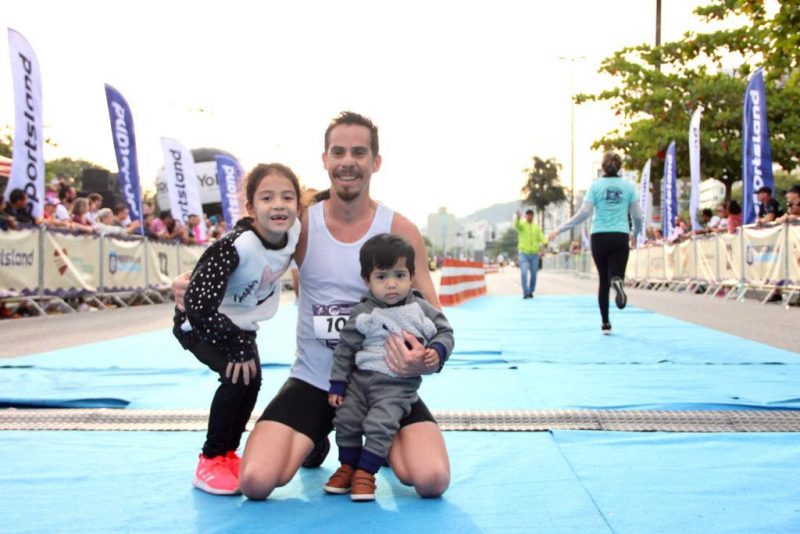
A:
<point x="382" y="252"/>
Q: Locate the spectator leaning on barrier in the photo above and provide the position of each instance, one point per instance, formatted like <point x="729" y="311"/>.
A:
<point x="722" y="213"/>
<point x="66" y="196"/>
<point x="7" y="221"/>
<point x="95" y="203"/>
<point x="18" y="207"/>
<point x="122" y="218"/>
<point x="734" y="216"/>
<point x="768" y="207"/>
<point x="78" y="216"/>
<point x="792" y="205"/>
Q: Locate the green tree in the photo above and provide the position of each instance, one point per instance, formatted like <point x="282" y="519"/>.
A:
<point x="542" y="186"/>
<point x="507" y="245"/>
<point x="6" y="141"/>
<point x="658" y="88"/>
<point x="68" y="167"/>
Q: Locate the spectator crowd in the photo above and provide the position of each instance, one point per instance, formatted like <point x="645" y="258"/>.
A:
<point x="64" y="209"/>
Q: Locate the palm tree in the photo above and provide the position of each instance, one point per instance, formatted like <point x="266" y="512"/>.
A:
<point x="542" y="186"/>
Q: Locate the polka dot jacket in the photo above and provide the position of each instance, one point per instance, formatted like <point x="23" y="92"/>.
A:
<point x="235" y="284"/>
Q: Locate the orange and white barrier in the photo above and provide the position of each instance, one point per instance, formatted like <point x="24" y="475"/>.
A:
<point x="461" y="280"/>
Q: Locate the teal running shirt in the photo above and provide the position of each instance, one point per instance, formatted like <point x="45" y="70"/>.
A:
<point x="611" y="197"/>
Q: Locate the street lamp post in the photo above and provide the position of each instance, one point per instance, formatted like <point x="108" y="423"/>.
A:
<point x="572" y="60"/>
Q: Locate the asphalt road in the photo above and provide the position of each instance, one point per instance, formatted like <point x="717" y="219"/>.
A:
<point x="770" y="324"/>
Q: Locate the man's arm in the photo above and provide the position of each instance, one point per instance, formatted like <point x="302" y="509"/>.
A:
<point x="422" y="275"/>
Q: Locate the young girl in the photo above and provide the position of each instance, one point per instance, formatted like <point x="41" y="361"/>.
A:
<point x="235" y="284"/>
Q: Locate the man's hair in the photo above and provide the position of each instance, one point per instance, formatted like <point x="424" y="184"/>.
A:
<point x="383" y="251"/>
<point x="707" y="212"/>
<point x="528" y="211"/>
<point x="765" y="189"/>
<point x="119" y="208"/>
<point x="94" y="197"/>
<point x="350" y="118"/>
<point x="63" y="191"/>
<point x="612" y="163"/>
<point x="16" y="195"/>
<point x="794" y="189"/>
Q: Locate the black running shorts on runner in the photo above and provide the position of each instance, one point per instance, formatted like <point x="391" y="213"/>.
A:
<point x="305" y="408"/>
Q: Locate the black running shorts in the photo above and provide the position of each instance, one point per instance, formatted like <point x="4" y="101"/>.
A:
<point x="305" y="409"/>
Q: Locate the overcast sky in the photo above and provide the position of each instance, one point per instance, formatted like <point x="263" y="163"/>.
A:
<point x="464" y="93"/>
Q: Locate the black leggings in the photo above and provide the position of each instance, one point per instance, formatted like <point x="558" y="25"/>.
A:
<point x="232" y="403"/>
<point x="610" y="254"/>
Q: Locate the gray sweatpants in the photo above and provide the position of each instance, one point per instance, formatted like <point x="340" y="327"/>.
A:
<point x="373" y="407"/>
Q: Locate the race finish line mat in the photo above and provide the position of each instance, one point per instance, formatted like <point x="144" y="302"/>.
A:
<point x="449" y="420"/>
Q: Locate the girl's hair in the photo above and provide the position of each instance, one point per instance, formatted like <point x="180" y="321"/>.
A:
<point x="80" y="207"/>
<point x="612" y="163"/>
<point x="262" y="170"/>
<point x="734" y="208"/>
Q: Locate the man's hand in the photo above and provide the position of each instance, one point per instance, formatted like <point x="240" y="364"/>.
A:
<point x="406" y="356"/>
<point x="179" y="285"/>
<point x="335" y="400"/>
<point x="551" y="236"/>
<point x="247" y="369"/>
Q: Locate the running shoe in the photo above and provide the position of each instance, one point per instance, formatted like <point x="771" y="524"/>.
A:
<point x="619" y="287"/>
<point x="363" y="487"/>
<point x="233" y="461"/>
<point x="340" y="481"/>
<point x="213" y="475"/>
<point x="606" y="328"/>
<point x="318" y="453"/>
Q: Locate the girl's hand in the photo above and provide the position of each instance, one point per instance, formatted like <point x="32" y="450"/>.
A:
<point x="335" y="400"/>
<point x="179" y="285"/>
<point x="247" y="369"/>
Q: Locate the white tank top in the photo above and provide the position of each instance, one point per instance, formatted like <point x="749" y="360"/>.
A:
<point x="330" y="284"/>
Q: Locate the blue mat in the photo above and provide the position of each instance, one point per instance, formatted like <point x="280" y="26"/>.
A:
<point x="510" y="354"/>
<point x="579" y="482"/>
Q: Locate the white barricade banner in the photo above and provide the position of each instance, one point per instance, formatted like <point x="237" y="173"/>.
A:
<point x="670" y="252"/>
<point x="19" y="262"/>
<point x="764" y="250"/>
<point x="62" y="276"/>
<point x="83" y="251"/>
<point x="189" y="255"/>
<point x="162" y="263"/>
<point x="684" y="261"/>
<point x="656" y="263"/>
<point x="730" y="261"/>
<point x="123" y="264"/>
<point x="642" y="255"/>
<point x="794" y="254"/>
<point x="706" y="263"/>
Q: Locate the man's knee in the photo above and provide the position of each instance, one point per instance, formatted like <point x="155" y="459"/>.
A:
<point x="432" y="484"/>
<point x="254" y="486"/>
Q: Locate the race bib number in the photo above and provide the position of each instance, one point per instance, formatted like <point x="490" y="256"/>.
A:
<point x="329" y="319"/>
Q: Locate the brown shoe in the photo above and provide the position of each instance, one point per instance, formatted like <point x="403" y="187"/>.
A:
<point x="363" y="486"/>
<point x="339" y="483"/>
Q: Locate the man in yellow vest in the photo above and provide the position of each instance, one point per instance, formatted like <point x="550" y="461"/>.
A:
<point x="530" y="239"/>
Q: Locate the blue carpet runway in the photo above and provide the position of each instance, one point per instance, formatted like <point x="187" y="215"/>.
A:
<point x="510" y="354"/>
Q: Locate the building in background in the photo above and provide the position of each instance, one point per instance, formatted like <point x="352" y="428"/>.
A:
<point x="712" y="193"/>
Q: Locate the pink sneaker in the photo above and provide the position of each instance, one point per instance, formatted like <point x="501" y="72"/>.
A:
<point x="213" y="475"/>
<point x="233" y="461"/>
